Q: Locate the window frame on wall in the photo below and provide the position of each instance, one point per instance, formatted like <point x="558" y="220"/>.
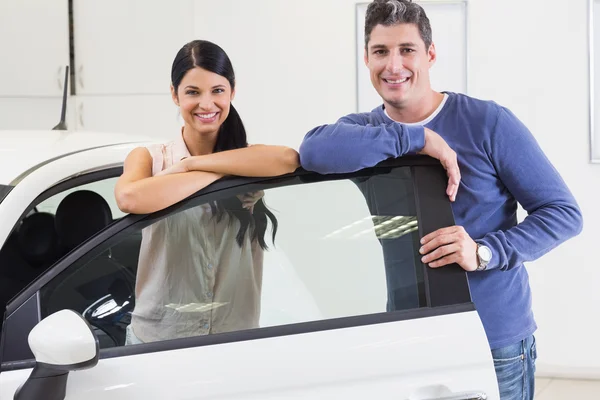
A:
<point x="446" y="289"/>
<point x="594" y="89"/>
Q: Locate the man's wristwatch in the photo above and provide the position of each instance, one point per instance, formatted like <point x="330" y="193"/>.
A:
<point x="484" y="256"/>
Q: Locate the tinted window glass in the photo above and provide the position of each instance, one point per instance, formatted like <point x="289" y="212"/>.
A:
<point x="341" y="248"/>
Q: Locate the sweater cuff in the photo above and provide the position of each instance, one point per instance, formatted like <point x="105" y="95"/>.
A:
<point x="416" y="137"/>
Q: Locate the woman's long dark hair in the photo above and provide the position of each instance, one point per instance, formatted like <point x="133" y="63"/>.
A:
<point x="232" y="135"/>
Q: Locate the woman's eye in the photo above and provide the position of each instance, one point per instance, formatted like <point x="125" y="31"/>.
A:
<point x="191" y="92"/>
<point x="219" y="91"/>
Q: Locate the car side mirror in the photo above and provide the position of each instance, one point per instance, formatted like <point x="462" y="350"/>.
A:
<point x="61" y="342"/>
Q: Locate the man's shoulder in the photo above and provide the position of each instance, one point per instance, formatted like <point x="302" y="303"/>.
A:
<point x="490" y="117"/>
<point x="475" y="105"/>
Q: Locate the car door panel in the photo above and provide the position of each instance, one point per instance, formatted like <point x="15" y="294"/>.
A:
<point x="392" y="358"/>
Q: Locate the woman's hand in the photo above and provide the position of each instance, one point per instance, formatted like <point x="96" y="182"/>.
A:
<point x="177" y="168"/>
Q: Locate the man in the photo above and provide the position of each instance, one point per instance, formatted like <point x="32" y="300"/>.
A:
<point x="500" y="162"/>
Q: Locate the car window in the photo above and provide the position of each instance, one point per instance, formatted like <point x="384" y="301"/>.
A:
<point x="105" y="188"/>
<point x="308" y="252"/>
<point x="52" y="228"/>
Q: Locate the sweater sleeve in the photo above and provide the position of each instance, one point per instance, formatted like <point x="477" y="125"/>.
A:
<point x="352" y="143"/>
<point x="553" y="214"/>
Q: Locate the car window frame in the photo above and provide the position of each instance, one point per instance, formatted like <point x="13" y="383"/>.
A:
<point x="446" y="289"/>
<point x="4" y="191"/>
<point x="64" y="185"/>
<point x="71" y="183"/>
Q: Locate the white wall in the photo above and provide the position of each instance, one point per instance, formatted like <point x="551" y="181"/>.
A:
<point x="532" y="56"/>
<point x="295" y="63"/>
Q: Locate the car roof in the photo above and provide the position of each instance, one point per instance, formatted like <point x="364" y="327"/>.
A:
<point x="21" y="151"/>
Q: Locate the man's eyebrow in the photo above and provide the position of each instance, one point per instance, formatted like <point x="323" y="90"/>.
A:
<point x="382" y="46"/>
<point x="378" y="46"/>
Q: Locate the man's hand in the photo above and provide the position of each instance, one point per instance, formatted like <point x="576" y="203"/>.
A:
<point x="437" y="147"/>
<point x="449" y="245"/>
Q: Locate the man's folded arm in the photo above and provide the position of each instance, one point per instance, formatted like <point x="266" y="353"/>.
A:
<point x="352" y="144"/>
<point x="553" y="214"/>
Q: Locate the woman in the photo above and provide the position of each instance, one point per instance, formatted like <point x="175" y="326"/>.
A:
<point x="200" y="270"/>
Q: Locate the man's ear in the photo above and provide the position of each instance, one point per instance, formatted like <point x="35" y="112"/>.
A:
<point x="366" y="57"/>
<point x="432" y="54"/>
<point x="174" y="96"/>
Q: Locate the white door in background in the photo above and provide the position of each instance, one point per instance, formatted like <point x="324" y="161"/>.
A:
<point x="34" y="38"/>
<point x="33" y="113"/>
<point x="149" y="115"/>
<point x="127" y="47"/>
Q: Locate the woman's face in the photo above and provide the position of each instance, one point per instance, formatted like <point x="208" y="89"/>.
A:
<point x="204" y="99"/>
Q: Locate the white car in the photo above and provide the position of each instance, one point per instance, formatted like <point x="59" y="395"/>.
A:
<point x="348" y="311"/>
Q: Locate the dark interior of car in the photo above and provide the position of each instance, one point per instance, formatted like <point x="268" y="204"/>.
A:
<point x="41" y="239"/>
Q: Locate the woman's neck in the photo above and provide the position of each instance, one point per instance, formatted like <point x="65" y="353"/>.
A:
<point x="199" y="144"/>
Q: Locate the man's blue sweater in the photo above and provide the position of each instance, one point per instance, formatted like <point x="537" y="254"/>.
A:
<point x="501" y="164"/>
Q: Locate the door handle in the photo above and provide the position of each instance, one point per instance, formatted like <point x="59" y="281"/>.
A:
<point x="463" y="396"/>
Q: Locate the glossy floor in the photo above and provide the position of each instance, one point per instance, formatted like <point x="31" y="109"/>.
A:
<point x="559" y="389"/>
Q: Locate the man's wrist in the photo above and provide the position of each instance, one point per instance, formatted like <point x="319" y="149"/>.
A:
<point x="484" y="256"/>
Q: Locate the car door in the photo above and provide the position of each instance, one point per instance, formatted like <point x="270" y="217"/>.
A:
<point x="345" y="310"/>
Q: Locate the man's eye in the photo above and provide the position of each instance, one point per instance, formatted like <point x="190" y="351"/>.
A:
<point x="407" y="50"/>
<point x="380" y="52"/>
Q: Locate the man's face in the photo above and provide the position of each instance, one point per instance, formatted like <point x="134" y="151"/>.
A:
<point x="399" y="64"/>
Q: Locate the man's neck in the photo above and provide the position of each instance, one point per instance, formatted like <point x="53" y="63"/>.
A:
<point x="418" y="111"/>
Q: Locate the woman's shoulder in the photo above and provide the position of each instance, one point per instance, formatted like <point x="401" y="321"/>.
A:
<point x="159" y="153"/>
<point x="156" y="148"/>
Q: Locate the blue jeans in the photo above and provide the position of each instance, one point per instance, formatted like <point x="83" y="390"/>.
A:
<point x="515" y="369"/>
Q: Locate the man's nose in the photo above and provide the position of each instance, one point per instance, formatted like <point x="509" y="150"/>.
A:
<point x="394" y="64"/>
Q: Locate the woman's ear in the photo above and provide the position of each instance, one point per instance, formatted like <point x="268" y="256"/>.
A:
<point x="232" y="94"/>
<point x="174" y="96"/>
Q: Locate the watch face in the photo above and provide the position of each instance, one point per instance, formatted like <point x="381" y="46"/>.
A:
<point x="484" y="253"/>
